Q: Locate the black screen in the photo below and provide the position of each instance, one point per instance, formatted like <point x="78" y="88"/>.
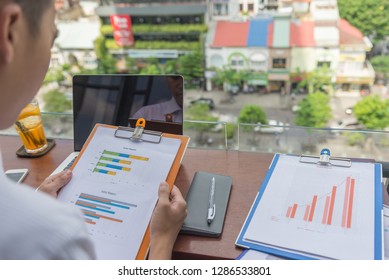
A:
<point x="114" y="99"/>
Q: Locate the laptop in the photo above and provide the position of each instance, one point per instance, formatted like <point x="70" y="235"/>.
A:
<point x="120" y="100"/>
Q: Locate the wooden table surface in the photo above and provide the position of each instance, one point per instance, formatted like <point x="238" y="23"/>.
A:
<point x="247" y="169"/>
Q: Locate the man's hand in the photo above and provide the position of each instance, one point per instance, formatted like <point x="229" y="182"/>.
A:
<point x="166" y="222"/>
<point x="51" y="185"/>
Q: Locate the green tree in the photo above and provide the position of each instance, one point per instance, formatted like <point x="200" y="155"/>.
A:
<point x="227" y="76"/>
<point x="314" y="110"/>
<point x="131" y="65"/>
<point x="171" y="67"/>
<point x="191" y="66"/>
<point x="56" y="101"/>
<point x="199" y="112"/>
<point x="381" y="65"/>
<point x="318" y="80"/>
<point x="372" y="112"/>
<point x="106" y="63"/>
<point x="151" y="69"/>
<point x="369" y="16"/>
<point x="54" y="75"/>
<point x="252" y="114"/>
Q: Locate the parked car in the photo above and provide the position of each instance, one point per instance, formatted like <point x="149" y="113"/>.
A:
<point x="203" y="100"/>
<point x="274" y="127"/>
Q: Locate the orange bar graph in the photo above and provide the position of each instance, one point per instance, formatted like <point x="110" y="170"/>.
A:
<point x="289" y="211"/>
<point x="325" y="213"/>
<point x="345" y="203"/>
<point x="294" y="209"/>
<point x="332" y="202"/>
<point x="306" y="212"/>
<point x="313" y="205"/>
<point x="350" y="204"/>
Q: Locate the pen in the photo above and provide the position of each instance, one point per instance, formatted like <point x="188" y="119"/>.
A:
<point x="211" y="206"/>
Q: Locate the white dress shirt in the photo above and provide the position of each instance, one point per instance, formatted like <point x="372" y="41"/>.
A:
<point x="36" y="226"/>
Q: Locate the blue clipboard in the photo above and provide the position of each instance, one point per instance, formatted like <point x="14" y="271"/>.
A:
<point x="378" y="210"/>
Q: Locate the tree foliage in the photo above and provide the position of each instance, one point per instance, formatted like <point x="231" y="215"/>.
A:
<point x="54" y="75"/>
<point x="56" y="101"/>
<point x="252" y="114"/>
<point x="106" y="63"/>
<point x="191" y="66"/>
<point x="381" y="64"/>
<point x="314" y="110"/>
<point x="369" y="16"/>
<point x="228" y="76"/>
<point x="318" y="80"/>
<point x="199" y="112"/>
<point x="372" y="112"/>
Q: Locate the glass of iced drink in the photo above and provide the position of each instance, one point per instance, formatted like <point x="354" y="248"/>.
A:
<point x="30" y="128"/>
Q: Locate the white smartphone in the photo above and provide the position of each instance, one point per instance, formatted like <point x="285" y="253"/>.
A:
<point x="17" y="175"/>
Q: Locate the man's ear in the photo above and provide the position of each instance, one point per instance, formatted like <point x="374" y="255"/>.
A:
<point x="10" y="19"/>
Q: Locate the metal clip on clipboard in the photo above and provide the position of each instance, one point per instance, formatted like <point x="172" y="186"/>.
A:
<point x="325" y="159"/>
<point x="138" y="134"/>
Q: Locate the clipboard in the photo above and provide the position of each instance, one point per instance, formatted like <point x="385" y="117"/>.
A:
<point x="172" y="174"/>
<point x="319" y="220"/>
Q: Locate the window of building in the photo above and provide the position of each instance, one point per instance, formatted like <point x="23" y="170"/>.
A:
<point x="237" y="62"/>
<point x="321" y="64"/>
<point x="279" y="63"/>
<point x="220" y="9"/>
<point x="250" y="7"/>
<point x="54" y="61"/>
<point x="257" y="64"/>
<point x="241" y="7"/>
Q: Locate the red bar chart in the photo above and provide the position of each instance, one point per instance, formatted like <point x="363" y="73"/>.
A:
<point x="322" y="208"/>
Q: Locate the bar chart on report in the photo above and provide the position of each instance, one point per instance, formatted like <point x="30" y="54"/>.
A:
<point x="332" y="208"/>
<point x="112" y="163"/>
<point x="100" y="210"/>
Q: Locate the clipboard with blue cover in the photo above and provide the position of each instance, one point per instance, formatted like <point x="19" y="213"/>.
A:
<point x="198" y="204"/>
<point x="315" y="207"/>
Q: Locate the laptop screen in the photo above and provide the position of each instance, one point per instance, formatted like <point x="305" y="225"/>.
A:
<point x="121" y="99"/>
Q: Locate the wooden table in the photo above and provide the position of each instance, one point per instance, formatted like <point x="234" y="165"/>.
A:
<point x="247" y="169"/>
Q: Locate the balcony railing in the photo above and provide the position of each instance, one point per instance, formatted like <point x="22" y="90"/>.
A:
<point x="259" y="138"/>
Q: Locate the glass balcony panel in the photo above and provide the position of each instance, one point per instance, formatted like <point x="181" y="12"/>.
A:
<point x="204" y="134"/>
<point x="305" y="140"/>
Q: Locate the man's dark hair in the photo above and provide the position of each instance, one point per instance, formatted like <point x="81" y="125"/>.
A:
<point x="33" y="11"/>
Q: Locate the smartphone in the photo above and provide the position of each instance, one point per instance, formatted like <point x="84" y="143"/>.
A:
<point x="16" y="175"/>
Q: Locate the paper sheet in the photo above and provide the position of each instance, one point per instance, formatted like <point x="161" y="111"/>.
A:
<point x="386" y="231"/>
<point x="115" y="184"/>
<point x="325" y="212"/>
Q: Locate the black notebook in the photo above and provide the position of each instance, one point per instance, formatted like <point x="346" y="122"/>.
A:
<point x="198" y="203"/>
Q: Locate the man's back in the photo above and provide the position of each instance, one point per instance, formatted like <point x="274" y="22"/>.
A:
<point x="36" y="226"/>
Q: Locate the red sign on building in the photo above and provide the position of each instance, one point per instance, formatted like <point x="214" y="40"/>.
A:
<point x="122" y="30"/>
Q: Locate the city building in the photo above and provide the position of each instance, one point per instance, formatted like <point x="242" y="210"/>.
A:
<point x="240" y="46"/>
<point x="68" y="9"/>
<point x="74" y="44"/>
<point x="160" y="29"/>
<point x="279" y="53"/>
<point x="302" y="35"/>
<point x="354" y="72"/>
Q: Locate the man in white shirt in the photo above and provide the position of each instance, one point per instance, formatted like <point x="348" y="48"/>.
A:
<point x="34" y="225"/>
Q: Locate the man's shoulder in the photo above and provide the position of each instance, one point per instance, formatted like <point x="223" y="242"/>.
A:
<point x="36" y="219"/>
